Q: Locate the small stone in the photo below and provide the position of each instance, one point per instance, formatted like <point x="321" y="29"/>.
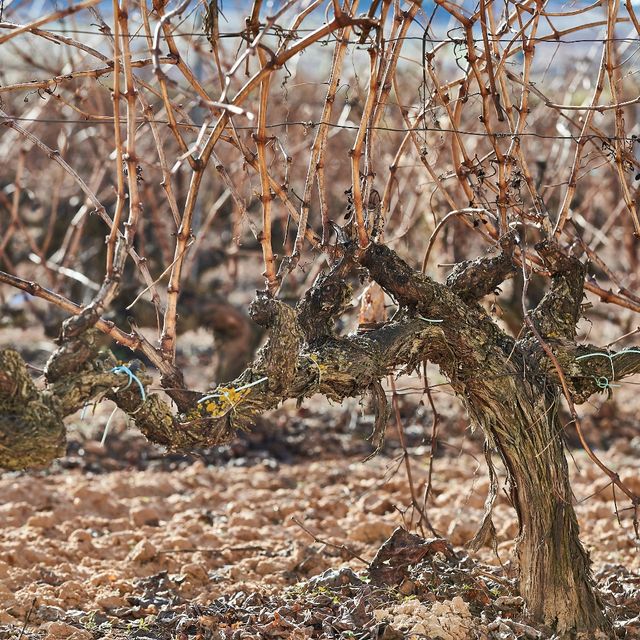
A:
<point x="5" y="618"/>
<point x="80" y="536"/>
<point x="334" y="578"/>
<point x="196" y="572"/>
<point x="63" y="631"/>
<point x="371" y="531"/>
<point x="178" y="542"/>
<point x="139" y="516"/>
<point x="631" y="479"/>
<point x="110" y="601"/>
<point x="43" y="520"/>
<point x="508" y="602"/>
<point x="268" y="567"/>
<point x="98" y="502"/>
<point x="82" y="539"/>
<point x="407" y="587"/>
<point x="49" y="613"/>
<point x="72" y="592"/>
<point x="392" y="634"/>
<point x="142" y="552"/>
<point x="103" y="578"/>
<point x="245" y="519"/>
<point x="376" y="502"/>
<point x="244" y="534"/>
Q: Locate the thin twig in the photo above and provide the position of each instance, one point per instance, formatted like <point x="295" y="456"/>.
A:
<point x="340" y="547"/>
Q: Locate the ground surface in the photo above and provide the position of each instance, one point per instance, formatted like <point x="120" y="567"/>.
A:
<point x="121" y="541"/>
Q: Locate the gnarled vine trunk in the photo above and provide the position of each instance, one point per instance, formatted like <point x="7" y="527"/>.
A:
<point x="510" y="388"/>
<point x="522" y="423"/>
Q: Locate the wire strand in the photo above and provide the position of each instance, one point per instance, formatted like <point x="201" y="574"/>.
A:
<point x="550" y="39"/>
<point x="310" y="124"/>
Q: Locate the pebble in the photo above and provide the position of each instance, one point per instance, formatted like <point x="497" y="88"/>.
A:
<point x="63" y="631"/>
<point x="371" y="531"/>
<point x="110" y="601"/>
<point x="44" y="520"/>
<point x="140" y="516"/>
<point x="268" y="566"/>
<point x="142" y="552"/>
<point x="196" y="572"/>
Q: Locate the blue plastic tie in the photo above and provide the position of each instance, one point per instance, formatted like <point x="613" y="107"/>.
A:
<point x="132" y="377"/>
<point x="603" y="382"/>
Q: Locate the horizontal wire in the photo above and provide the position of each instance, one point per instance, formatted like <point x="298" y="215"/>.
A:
<point x="315" y="123"/>
<point x="287" y="32"/>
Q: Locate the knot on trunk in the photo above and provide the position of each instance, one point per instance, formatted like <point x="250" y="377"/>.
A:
<point x="557" y="260"/>
<point x="558" y="312"/>
<point x="473" y="279"/>
<point x="264" y="309"/>
<point x="278" y="357"/>
<point x="72" y="355"/>
<point x="327" y="299"/>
